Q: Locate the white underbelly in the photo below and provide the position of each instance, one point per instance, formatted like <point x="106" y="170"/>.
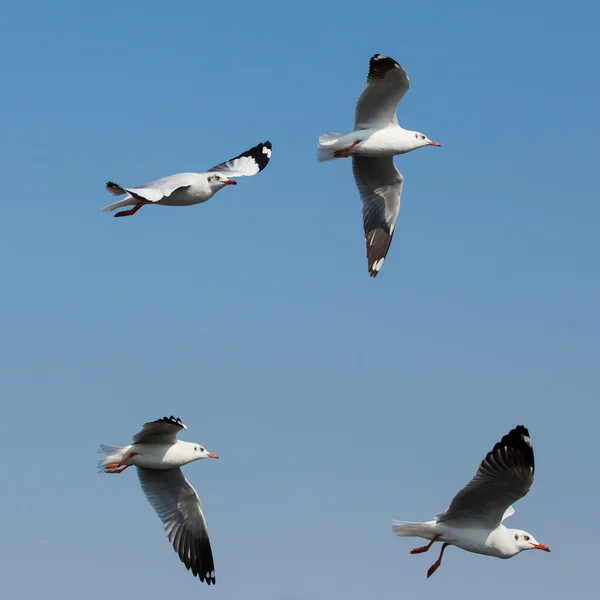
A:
<point x="185" y="197"/>
<point x="379" y="143"/>
<point x="153" y="456"/>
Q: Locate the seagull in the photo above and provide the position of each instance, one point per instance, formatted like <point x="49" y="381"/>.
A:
<point x="474" y="519"/>
<point x="158" y="456"/>
<point x="185" y="189"/>
<point x="374" y="141"/>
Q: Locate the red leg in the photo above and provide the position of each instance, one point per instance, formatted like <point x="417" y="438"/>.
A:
<point x="110" y="469"/>
<point x="433" y="568"/>
<point x="131" y="211"/>
<point x="345" y="152"/>
<point x="425" y="548"/>
<point x="114" y="467"/>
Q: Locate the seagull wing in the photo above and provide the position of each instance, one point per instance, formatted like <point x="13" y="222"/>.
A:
<point x="504" y="476"/>
<point x="161" y="431"/>
<point x="178" y="506"/>
<point x="387" y="83"/>
<point x="247" y="163"/>
<point x="379" y="184"/>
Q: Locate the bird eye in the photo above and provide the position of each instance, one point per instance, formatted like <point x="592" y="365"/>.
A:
<point x="217" y="177"/>
<point x="201" y="449"/>
<point x="526" y="538"/>
<point x="422" y="137"/>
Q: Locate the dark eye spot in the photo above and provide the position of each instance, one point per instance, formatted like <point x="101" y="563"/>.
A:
<point x="516" y="536"/>
<point x="526" y="538"/>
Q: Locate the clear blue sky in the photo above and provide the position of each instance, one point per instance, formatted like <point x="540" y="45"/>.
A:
<point x="335" y="401"/>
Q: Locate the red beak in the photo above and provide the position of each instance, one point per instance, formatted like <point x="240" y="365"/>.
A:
<point x="210" y="454"/>
<point x="541" y="547"/>
<point x="230" y="182"/>
<point x="434" y="144"/>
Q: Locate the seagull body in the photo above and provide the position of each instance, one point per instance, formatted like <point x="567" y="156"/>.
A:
<point x="474" y="519"/>
<point x="185" y="189"/>
<point x="374" y="141"/>
<point x="158" y="456"/>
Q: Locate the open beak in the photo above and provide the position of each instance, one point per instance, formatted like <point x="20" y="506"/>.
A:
<point x="434" y="144"/>
<point x="230" y="182"/>
<point x="541" y="547"/>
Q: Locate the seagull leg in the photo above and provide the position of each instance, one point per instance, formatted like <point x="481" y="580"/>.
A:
<point x="111" y="469"/>
<point x="433" y="568"/>
<point x="420" y="549"/>
<point x="345" y="152"/>
<point x="131" y="211"/>
<point x="114" y="467"/>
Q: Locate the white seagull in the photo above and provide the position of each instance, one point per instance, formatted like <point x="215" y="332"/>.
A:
<point x="158" y="454"/>
<point x="473" y="521"/>
<point x="185" y="189"/>
<point x="374" y="141"/>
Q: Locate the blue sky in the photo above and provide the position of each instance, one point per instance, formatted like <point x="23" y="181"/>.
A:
<point x="335" y="401"/>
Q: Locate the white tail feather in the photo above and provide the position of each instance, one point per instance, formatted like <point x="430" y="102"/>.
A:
<point x="327" y="143"/>
<point x="114" y="454"/>
<point x="129" y="201"/>
<point x="409" y="529"/>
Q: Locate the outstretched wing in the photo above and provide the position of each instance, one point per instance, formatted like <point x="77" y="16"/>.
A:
<point x="161" y="431"/>
<point x="247" y="163"/>
<point x="504" y="476"/>
<point x="178" y="506"/>
<point x="387" y="83"/>
<point x="379" y="184"/>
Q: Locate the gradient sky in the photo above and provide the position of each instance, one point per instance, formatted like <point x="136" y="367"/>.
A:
<point x="336" y="402"/>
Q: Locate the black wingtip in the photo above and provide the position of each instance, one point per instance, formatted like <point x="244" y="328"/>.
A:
<point x="379" y="65"/>
<point x="171" y="420"/>
<point x="260" y="154"/>
<point x="519" y="440"/>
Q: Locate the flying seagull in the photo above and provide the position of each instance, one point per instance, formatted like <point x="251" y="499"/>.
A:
<point x="185" y="189"/>
<point x="474" y="519"/>
<point x="372" y="144"/>
<point x="158" y="456"/>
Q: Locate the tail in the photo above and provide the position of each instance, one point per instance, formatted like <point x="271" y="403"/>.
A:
<point x="409" y="529"/>
<point x="127" y="202"/>
<point x="113" y="454"/>
<point x="117" y="190"/>
<point x="327" y="146"/>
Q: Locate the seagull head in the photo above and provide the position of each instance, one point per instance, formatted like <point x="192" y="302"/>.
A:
<point x="525" y="541"/>
<point x="422" y="140"/>
<point x="197" y="452"/>
<point x="217" y="181"/>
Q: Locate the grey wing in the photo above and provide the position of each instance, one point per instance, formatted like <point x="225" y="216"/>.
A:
<point x="178" y="506"/>
<point x="156" y="190"/>
<point x="379" y="184"/>
<point x="163" y="430"/>
<point x="247" y="163"/>
<point x="504" y="476"/>
<point x="387" y="83"/>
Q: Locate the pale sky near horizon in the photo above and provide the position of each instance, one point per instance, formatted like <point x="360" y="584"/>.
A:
<point x="335" y="402"/>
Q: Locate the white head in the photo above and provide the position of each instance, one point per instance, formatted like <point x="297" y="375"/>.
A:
<point x="216" y="181"/>
<point x="422" y="140"/>
<point x="196" y="451"/>
<point x="521" y="540"/>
